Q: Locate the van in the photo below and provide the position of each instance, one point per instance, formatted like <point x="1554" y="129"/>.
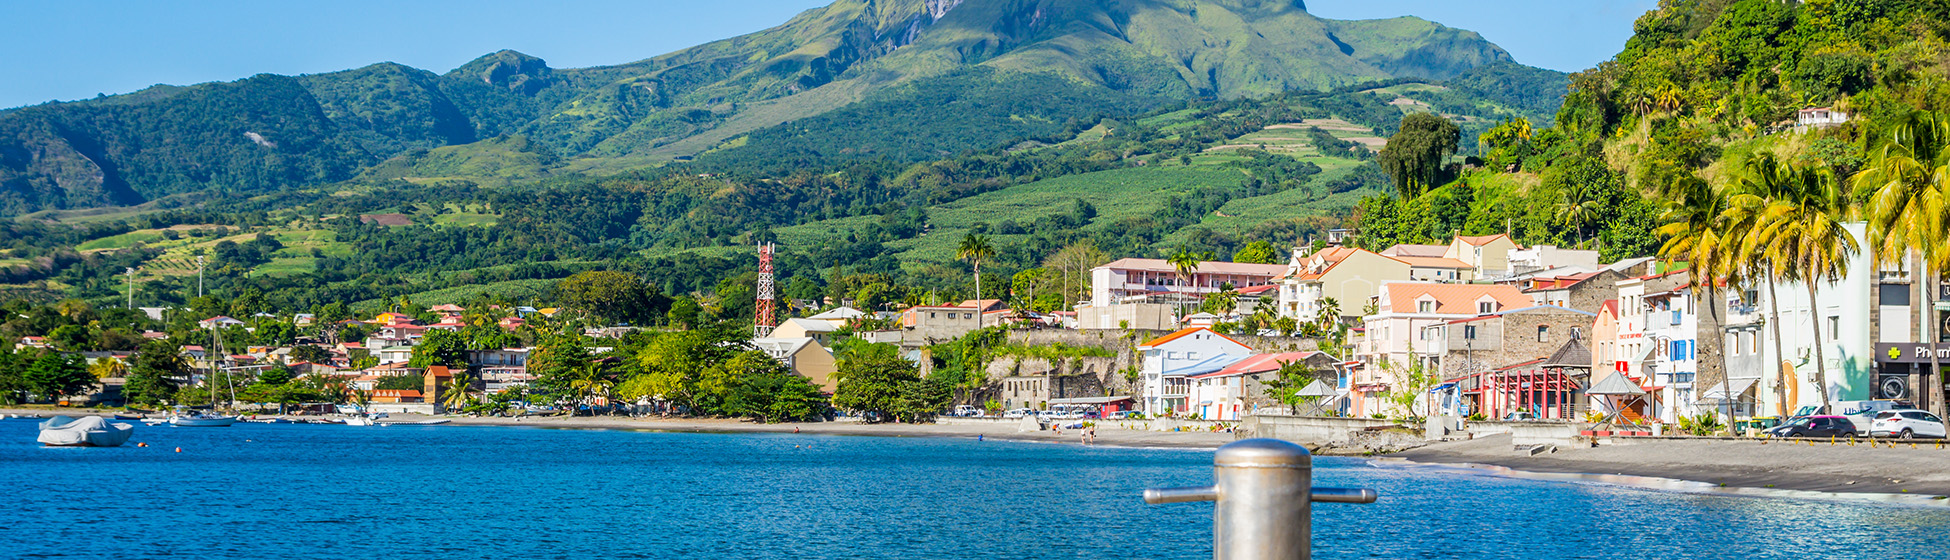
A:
<point x="1862" y="413"/>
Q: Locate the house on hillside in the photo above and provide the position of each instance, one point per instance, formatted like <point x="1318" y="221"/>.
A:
<point x="1488" y="255"/>
<point x="815" y="329"/>
<point x="1125" y="281"/>
<point x="1348" y="275"/>
<point x="1168" y="362"/>
<point x="219" y="322"/>
<point x="1547" y="257"/>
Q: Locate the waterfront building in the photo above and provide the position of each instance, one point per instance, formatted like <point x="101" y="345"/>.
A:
<point x="1240" y="389"/>
<point x="805" y="356"/>
<point x="1387" y="342"/>
<point x="1169" y="361"/>
<point x="1473" y="345"/>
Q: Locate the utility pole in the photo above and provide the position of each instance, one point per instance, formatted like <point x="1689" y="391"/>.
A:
<point x="130" y="273"/>
<point x="199" y="276"/>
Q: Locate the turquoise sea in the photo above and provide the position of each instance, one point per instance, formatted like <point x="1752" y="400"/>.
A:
<point x="444" y="492"/>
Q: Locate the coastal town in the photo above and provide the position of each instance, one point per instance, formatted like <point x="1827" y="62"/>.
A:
<point x="1481" y="329"/>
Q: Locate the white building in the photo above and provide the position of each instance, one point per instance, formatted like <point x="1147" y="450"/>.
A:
<point x="1169" y="361"/>
<point x="1124" y="279"/>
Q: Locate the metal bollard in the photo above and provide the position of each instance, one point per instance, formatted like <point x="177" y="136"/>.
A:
<point x="1264" y="493"/>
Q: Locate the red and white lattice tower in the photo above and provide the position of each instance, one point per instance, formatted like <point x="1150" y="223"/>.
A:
<point x="766" y="317"/>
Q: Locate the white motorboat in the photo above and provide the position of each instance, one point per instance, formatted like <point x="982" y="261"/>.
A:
<point x="197" y="419"/>
<point x="87" y="431"/>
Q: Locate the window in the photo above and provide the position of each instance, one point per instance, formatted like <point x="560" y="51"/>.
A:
<point x="1543" y="333"/>
<point x="1834" y="327"/>
<point x="1469" y="332"/>
<point x="1171" y="355"/>
<point x="1894" y="294"/>
<point x="1425" y="307"/>
<point x="1577" y="333"/>
<point x="1485" y="307"/>
<point x="1191" y="355"/>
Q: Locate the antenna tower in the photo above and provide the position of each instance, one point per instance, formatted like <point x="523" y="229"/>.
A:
<point x="766" y="317"/>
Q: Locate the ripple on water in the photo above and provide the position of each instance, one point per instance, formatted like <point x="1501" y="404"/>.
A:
<point x="454" y="491"/>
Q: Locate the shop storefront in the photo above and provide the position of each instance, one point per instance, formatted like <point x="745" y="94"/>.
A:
<point x="1903" y="371"/>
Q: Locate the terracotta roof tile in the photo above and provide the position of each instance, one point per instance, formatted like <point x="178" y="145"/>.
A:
<point x="1453" y="299"/>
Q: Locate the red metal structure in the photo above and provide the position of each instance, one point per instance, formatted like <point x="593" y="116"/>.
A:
<point x="767" y="316"/>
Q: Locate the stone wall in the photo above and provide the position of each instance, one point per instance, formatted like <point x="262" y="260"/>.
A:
<point x="1306" y="429"/>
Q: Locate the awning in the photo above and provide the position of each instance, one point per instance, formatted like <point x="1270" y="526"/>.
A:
<point x="1718" y="392"/>
<point x="1615" y="384"/>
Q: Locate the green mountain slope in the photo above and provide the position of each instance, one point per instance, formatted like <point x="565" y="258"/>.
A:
<point x="932" y="76"/>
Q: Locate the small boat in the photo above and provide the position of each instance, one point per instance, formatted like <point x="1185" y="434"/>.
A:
<point x="197" y="419"/>
<point x="127" y="416"/>
<point x="87" y="431"/>
<point x="433" y="422"/>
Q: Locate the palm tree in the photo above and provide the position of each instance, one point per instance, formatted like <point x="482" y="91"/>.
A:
<point x="1329" y="314"/>
<point x="459" y="391"/>
<point x="1904" y="189"/>
<point x="1767" y="181"/>
<point x="1699" y="230"/>
<point x="975" y="249"/>
<point x="1579" y="208"/>
<point x="1803" y="239"/>
<point x="589" y="381"/>
<point x="1185" y="263"/>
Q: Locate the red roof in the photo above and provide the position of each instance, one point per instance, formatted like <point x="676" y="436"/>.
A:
<point x="1252" y="290"/>
<point x="1258" y="363"/>
<point x="395" y="393"/>
<point x="1480" y="239"/>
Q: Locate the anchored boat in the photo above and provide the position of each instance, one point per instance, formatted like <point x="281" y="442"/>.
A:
<point x="87" y="431"/>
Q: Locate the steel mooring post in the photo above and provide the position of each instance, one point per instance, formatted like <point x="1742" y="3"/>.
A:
<point x="1264" y="494"/>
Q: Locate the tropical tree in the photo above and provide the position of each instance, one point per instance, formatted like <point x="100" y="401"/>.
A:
<point x="1185" y="263"/>
<point x="1803" y="240"/>
<point x="459" y="391"/>
<point x="1766" y="181"/>
<point x="1904" y="187"/>
<point x="1701" y="231"/>
<point x="975" y="249"/>
<point x="1288" y="381"/>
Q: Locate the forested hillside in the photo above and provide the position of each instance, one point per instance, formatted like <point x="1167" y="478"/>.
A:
<point x="905" y="80"/>
<point x="1702" y="86"/>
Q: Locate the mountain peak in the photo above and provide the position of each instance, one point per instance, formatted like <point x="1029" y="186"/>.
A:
<point x="508" y="69"/>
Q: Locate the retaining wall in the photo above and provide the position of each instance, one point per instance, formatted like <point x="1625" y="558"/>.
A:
<point x="1306" y="429"/>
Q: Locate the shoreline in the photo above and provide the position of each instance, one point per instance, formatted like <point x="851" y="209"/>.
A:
<point x="1108" y="434"/>
<point x="1753" y="468"/>
<point x="1663" y="484"/>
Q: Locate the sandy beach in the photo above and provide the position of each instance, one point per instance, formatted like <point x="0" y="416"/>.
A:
<point x="1782" y="465"/>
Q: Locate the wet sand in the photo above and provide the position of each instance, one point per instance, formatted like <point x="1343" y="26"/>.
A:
<point x="1779" y="465"/>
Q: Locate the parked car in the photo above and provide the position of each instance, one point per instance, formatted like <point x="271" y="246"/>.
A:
<point x="968" y="410"/>
<point x="1815" y="426"/>
<point x="1906" y="424"/>
<point x="1018" y="413"/>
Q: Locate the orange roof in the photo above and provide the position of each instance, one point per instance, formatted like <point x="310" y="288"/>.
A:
<point x="1560" y="282"/>
<point x="395" y="393"/>
<point x="1433" y="262"/>
<point x="1480" y="240"/>
<point x="1453" y="299"/>
<point x="1182" y="333"/>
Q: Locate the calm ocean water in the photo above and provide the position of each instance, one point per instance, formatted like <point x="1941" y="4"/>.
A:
<point x="296" y="491"/>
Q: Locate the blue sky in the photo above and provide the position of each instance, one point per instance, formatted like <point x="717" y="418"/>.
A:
<point x="74" y="49"/>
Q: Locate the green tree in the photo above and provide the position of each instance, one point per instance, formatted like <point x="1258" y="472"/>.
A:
<point x="1286" y="384"/>
<point x="557" y="362"/>
<point x="687" y="368"/>
<point x="611" y="296"/>
<point x="1905" y="186"/>
<point x="881" y="385"/>
<point x="975" y="249"/>
<point x="1702" y="230"/>
<point x="56" y="375"/>
<point x="1414" y="156"/>
<point x="1260" y="252"/>
<point x="439" y="347"/>
<point x="156" y="374"/>
<point x="1802" y="237"/>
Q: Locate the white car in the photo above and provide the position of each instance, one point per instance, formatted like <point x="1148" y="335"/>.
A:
<point x="1906" y="423"/>
<point x="1015" y="414"/>
<point x="967" y="410"/>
